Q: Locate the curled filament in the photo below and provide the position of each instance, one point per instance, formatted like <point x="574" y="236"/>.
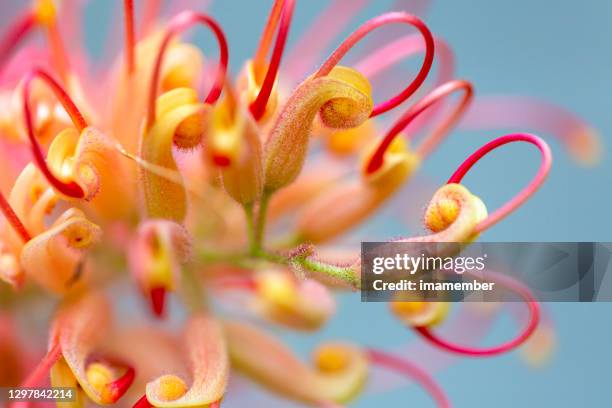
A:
<point x="522" y="196"/>
<point x="70" y="189"/>
<point x="366" y="28"/>
<point x="441" y="130"/>
<point x="179" y="23"/>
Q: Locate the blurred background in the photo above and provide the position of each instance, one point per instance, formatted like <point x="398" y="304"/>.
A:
<point x="553" y="50"/>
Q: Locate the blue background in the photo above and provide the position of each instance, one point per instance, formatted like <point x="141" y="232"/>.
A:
<point x="556" y="50"/>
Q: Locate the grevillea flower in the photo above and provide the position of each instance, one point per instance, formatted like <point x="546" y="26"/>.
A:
<point x="205" y="188"/>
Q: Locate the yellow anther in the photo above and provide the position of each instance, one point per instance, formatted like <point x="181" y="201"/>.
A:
<point x="99" y="376"/>
<point x="171" y="387"/>
<point x="331" y="359"/>
<point x="44" y="10"/>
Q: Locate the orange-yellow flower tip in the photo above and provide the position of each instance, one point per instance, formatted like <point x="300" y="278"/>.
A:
<point x="69" y="158"/>
<point x="278" y="288"/>
<point x="45" y="12"/>
<point x="585" y="145"/>
<point x="398" y="164"/>
<point x="189" y="133"/>
<point x="179" y="113"/>
<point x="81" y="233"/>
<point x="171" y="387"/>
<point x="446" y="207"/>
<point x="340" y="112"/>
<point x="103" y="378"/>
<point x="182" y="67"/>
<point x="420" y="313"/>
<point x="205" y="349"/>
<point x="331" y="358"/>
<point x="285" y="300"/>
<point x="538" y="350"/>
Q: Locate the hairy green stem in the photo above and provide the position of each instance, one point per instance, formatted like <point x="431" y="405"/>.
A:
<point x="260" y="225"/>
<point x="262" y="259"/>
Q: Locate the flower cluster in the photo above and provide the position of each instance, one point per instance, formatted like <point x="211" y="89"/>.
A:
<point x="131" y="175"/>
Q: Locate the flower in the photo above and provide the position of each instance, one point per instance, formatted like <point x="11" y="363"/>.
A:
<point x="184" y="191"/>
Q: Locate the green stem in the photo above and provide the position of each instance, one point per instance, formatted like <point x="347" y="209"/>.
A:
<point x="262" y="259"/>
<point x="345" y="274"/>
<point x="248" y="211"/>
<point x="260" y="226"/>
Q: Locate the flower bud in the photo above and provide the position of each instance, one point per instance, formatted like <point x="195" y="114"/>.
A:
<point x="158" y="250"/>
<point x="242" y="176"/>
<point x="302" y="305"/>
<point x="181" y="122"/>
<point x="342" y="99"/>
<point x="446" y="206"/>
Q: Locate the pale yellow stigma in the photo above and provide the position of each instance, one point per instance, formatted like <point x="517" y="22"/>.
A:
<point x="331" y="359"/>
<point x="171" y="387"/>
<point x="99" y="376"/>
